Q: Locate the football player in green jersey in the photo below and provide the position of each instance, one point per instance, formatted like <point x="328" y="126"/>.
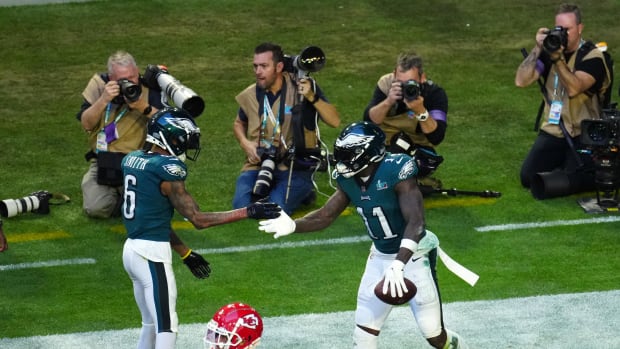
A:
<point x="383" y="189"/>
<point x="154" y="182"/>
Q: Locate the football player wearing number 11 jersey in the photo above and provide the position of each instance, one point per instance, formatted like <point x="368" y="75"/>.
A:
<point x="383" y="189"/>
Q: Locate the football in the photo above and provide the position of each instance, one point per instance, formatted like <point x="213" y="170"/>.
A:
<point x="387" y="298"/>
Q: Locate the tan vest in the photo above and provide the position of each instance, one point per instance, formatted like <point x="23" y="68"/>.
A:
<point x="391" y="125"/>
<point x="131" y="127"/>
<point x="250" y="105"/>
<point x="575" y="109"/>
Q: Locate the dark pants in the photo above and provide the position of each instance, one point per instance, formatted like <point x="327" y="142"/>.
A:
<point x="551" y="153"/>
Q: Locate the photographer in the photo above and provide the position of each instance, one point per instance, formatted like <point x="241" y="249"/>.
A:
<point x="412" y="111"/>
<point x="574" y="80"/>
<point x="264" y="129"/>
<point x="115" y="119"/>
<point x="115" y="112"/>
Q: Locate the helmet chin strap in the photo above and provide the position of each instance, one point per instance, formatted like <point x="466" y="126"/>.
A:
<point x="350" y="173"/>
<point x="181" y="156"/>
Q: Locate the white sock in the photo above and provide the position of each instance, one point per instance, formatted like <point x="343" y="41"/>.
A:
<point x="363" y="339"/>
<point x="166" y="340"/>
<point x="147" y="337"/>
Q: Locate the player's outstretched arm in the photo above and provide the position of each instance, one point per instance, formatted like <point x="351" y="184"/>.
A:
<point x="185" y="204"/>
<point x="315" y="220"/>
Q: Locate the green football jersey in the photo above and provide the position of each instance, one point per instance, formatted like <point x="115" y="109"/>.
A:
<point x="377" y="203"/>
<point x="146" y="211"/>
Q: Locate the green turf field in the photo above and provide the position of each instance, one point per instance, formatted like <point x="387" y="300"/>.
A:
<point x="471" y="48"/>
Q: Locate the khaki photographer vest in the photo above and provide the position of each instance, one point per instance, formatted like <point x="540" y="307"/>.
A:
<point x="131" y="127"/>
<point x="393" y="124"/>
<point x="248" y="102"/>
<point x="578" y="108"/>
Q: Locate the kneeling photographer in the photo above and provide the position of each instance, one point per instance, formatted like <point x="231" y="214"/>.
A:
<point x="283" y="101"/>
<point x="412" y="111"/>
<point x="574" y="79"/>
<point x="117" y="105"/>
<point x="114" y="113"/>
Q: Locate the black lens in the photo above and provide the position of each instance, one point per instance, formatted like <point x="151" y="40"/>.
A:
<point x="130" y="90"/>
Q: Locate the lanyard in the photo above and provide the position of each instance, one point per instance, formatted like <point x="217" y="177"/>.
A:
<point x="118" y="117"/>
<point x="556" y="81"/>
<point x="268" y="113"/>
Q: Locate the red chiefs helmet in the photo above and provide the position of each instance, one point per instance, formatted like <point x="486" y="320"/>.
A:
<point x="234" y="326"/>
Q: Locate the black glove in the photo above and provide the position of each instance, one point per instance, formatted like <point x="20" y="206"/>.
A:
<point x="263" y="210"/>
<point x="198" y="265"/>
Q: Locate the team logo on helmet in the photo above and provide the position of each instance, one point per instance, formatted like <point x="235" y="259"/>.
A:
<point x="353" y="140"/>
<point x="249" y="321"/>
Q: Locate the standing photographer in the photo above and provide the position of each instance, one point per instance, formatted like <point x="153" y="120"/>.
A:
<point x="264" y="127"/>
<point x="413" y="113"/>
<point x="575" y="80"/>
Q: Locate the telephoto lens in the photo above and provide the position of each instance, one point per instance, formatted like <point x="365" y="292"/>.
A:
<point x="262" y="186"/>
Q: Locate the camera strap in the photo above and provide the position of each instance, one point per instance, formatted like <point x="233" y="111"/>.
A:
<point x="108" y="132"/>
<point x="267" y="112"/>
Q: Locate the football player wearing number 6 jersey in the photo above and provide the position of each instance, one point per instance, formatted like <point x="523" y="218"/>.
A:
<point x="154" y="182"/>
<point x="383" y="189"/>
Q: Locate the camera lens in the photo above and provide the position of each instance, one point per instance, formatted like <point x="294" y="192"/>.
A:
<point x="411" y="90"/>
<point x="130" y="90"/>
<point x="555" y="39"/>
<point x="262" y="186"/>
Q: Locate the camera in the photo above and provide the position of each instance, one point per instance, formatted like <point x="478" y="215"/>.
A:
<point x="37" y="202"/>
<point x="411" y="90"/>
<point x="556" y="38"/>
<point x="604" y="132"/>
<point x="601" y="139"/>
<point x="262" y="186"/>
<point x="310" y="60"/>
<point x="157" y="77"/>
<point x="129" y="90"/>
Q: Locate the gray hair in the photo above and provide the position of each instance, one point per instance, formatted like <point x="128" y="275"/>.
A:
<point x="120" y="58"/>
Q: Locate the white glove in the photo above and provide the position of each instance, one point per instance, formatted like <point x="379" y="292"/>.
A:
<point x="281" y="226"/>
<point x="394" y="279"/>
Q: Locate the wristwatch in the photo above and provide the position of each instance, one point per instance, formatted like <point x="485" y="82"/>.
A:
<point x="423" y="116"/>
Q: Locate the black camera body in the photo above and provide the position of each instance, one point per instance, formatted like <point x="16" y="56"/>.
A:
<point x="556" y="38"/>
<point x="129" y="90"/>
<point x="262" y="186"/>
<point x="601" y="139"/>
<point x="603" y="132"/>
<point x="310" y="60"/>
<point x="411" y="90"/>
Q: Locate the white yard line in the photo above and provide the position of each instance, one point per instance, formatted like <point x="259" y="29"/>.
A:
<point x="567" y="321"/>
<point x="516" y="226"/>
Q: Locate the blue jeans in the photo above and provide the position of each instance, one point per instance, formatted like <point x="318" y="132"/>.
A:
<point x="300" y="188"/>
